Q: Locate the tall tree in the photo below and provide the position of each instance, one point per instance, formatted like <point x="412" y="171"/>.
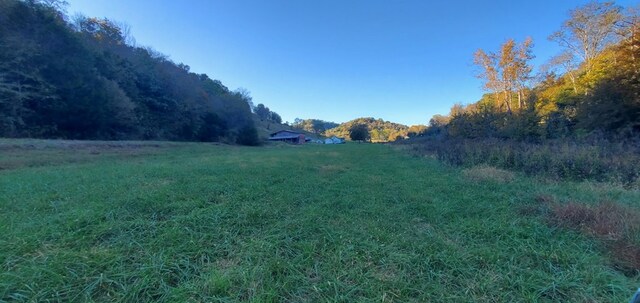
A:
<point x="629" y="31"/>
<point x="506" y="73"/>
<point x="508" y="70"/>
<point x="523" y="69"/>
<point x="488" y="63"/>
<point x="274" y="117"/>
<point x="589" y="29"/>
<point x="262" y="111"/>
<point x="566" y="61"/>
<point x="359" y="132"/>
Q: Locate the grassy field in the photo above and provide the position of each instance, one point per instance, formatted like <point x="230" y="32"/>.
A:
<point x="134" y="222"/>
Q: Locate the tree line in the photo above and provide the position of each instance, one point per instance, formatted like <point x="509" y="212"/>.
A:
<point x="84" y="78"/>
<point x="316" y="126"/>
<point x="265" y="114"/>
<point x="375" y="130"/>
<point x="591" y="88"/>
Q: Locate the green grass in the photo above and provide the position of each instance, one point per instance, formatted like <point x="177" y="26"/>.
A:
<point x="340" y="223"/>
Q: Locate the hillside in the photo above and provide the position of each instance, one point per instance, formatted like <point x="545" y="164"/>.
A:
<point x="315" y="126"/>
<point x="577" y="118"/>
<point x="589" y="89"/>
<point x="379" y="129"/>
<point x="84" y="79"/>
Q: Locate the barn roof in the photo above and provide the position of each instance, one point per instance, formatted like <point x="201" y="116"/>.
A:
<point x="284" y="134"/>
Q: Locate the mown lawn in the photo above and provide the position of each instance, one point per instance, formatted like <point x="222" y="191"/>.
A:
<point x="342" y="223"/>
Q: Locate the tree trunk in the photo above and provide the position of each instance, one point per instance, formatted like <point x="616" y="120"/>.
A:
<point x="634" y="46"/>
<point x="507" y="101"/>
<point x="520" y="99"/>
<point x="573" y="82"/>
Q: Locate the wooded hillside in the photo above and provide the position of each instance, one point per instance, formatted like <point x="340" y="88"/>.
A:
<point x="315" y="126"/>
<point x="591" y="88"/>
<point x="85" y="79"/>
<point x="379" y="129"/>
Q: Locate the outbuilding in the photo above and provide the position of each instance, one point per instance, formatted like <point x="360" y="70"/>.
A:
<point x="287" y="136"/>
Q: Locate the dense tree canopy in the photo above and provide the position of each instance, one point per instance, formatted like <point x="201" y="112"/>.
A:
<point x="82" y="80"/>
<point x="591" y="88"/>
<point x="359" y="132"/>
<point x="265" y="114"/>
<point x="315" y="126"/>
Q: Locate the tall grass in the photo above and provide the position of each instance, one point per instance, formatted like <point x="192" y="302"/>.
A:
<point x="559" y="159"/>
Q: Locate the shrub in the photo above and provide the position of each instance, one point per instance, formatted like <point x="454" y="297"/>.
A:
<point x="248" y="135"/>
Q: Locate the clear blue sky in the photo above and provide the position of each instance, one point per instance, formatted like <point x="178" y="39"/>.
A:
<point x="337" y="60"/>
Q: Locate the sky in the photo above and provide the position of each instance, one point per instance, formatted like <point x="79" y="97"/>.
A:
<point x="338" y="60"/>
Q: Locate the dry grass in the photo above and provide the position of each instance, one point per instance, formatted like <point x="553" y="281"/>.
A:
<point x="616" y="225"/>
<point x="488" y="173"/>
<point x="607" y="219"/>
<point x="19" y="153"/>
<point x="626" y="255"/>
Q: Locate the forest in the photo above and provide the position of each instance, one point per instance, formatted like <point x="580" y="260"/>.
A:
<point x="591" y="88"/>
<point x="578" y="117"/>
<point x="315" y="126"/>
<point x="85" y="78"/>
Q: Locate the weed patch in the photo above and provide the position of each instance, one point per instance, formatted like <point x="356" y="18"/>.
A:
<point x="599" y="161"/>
